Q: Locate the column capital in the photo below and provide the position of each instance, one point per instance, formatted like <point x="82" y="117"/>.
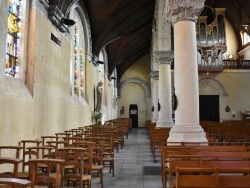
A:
<point x="177" y="10"/>
<point x="164" y="57"/>
<point x="154" y="75"/>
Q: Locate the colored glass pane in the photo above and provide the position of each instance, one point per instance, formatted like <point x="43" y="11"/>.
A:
<point x="12" y="42"/>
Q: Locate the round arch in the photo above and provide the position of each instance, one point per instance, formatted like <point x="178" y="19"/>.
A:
<point x="215" y="83"/>
<point x="135" y="80"/>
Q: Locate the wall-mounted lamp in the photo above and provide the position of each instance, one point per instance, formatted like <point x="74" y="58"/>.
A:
<point x="233" y="113"/>
<point x="227" y="109"/>
<point x="67" y="21"/>
<point x="100" y="62"/>
<point x="113" y="78"/>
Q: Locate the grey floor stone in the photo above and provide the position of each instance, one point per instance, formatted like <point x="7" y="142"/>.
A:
<point x="130" y="164"/>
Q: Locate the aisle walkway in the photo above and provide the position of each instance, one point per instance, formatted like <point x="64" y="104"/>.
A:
<point x="134" y="167"/>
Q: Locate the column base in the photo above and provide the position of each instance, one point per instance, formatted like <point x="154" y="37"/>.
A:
<point x="187" y="133"/>
<point x="154" y="120"/>
<point x="161" y="123"/>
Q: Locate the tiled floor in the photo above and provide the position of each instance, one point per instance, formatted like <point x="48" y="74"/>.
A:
<point x="133" y="164"/>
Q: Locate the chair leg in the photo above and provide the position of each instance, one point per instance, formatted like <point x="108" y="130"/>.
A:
<point x="101" y="178"/>
<point x="164" y="180"/>
<point x="113" y="172"/>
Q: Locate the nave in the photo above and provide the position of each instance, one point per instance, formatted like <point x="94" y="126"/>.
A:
<point x="134" y="166"/>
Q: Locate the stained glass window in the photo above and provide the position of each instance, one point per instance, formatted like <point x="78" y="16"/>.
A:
<point x="245" y="38"/>
<point x="76" y="53"/>
<point x="12" y="42"/>
<point x="101" y="74"/>
<point x="78" y="61"/>
<point x="101" y="67"/>
<point x="82" y="71"/>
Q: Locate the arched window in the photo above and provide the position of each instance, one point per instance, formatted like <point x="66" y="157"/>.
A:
<point x="12" y="42"/>
<point x="101" y="57"/>
<point x="101" y="67"/>
<point x="245" y="36"/>
<point x="78" y="57"/>
<point x="80" y="34"/>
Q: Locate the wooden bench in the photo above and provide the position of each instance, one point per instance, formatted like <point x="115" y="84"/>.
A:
<point x="155" y="142"/>
<point x="15" y="182"/>
<point x="196" y="177"/>
<point x="208" y="161"/>
<point x="212" y="177"/>
<point x="205" y="152"/>
<point x="187" y="161"/>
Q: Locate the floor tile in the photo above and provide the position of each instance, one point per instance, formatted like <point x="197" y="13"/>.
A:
<point x="129" y="164"/>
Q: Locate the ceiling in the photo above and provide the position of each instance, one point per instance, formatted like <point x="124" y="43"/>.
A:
<point x="124" y="27"/>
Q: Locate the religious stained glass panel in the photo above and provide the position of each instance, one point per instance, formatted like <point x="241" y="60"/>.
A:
<point x="76" y="59"/>
<point x="12" y="42"/>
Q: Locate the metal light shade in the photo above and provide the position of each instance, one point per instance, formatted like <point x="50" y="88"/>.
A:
<point x="67" y="21"/>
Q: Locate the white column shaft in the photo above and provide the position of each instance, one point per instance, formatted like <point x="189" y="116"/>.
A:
<point x="187" y="128"/>
<point x="165" y="113"/>
<point x="155" y="101"/>
<point x="186" y="74"/>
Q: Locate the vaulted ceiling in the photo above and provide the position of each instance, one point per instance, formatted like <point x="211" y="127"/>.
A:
<point x="124" y="27"/>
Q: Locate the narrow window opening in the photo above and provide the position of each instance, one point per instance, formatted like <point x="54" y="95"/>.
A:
<point x="55" y="39"/>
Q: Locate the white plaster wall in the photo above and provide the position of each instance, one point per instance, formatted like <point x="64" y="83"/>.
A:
<point x="236" y="85"/>
<point x="231" y="41"/>
<point x="133" y="93"/>
<point x="52" y="108"/>
<point x="245" y="53"/>
<point x="140" y="69"/>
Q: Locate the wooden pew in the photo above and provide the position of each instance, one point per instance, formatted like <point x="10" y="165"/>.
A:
<point x="228" y="161"/>
<point x="212" y="152"/>
<point x="234" y="178"/>
<point x="212" y="177"/>
<point x="187" y="161"/>
<point x="156" y="137"/>
<point x="196" y="177"/>
<point x="155" y="142"/>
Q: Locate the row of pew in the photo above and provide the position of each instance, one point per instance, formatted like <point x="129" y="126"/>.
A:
<point x="220" y="162"/>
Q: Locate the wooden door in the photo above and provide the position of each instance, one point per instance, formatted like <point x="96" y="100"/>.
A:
<point x="133" y="113"/>
<point x="209" y="107"/>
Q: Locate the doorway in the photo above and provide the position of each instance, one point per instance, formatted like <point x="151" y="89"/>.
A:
<point x="133" y="113"/>
<point x="209" y="107"/>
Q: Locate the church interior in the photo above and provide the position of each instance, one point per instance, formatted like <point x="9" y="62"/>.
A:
<point x="180" y="66"/>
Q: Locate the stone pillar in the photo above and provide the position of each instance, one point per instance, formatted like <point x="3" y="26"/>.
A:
<point x="149" y="106"/>
<point x="155" y="98"/>
<point x="118" y="102"/>
<point x="182" y="15"/>
<point x="165" y="97"/>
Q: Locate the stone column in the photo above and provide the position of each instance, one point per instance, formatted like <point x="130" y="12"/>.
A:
<point x="182" y="15"/>
<point x="164" y="59"/>
<point x="155" y="98"/>
<point x="118" y="102"/>
<point x="149" y="106"/>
